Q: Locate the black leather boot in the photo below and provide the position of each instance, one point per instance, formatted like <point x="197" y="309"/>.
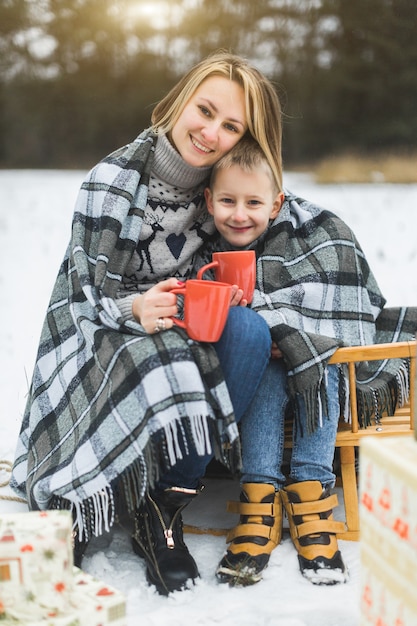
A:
<point x="78" y="548"/>
<point x="158" y="538"/>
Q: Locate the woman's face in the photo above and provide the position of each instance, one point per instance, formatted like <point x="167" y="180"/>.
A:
<point x="211" y="123"/>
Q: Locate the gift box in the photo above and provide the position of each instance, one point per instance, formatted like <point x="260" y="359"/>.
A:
<point x="36" y="559"/>
<point x="91" y="603"/>
<point x="97" y="603"/>
<point x="39" y="585"/>
<point x="388" y="522"/>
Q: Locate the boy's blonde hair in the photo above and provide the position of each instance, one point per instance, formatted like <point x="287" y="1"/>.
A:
<point x="248" y="155"/>
<point x="262" y="105"/>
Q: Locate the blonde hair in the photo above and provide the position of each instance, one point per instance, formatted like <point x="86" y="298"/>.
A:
<point x="248" y="155"/>
<point x="262" y="105"/>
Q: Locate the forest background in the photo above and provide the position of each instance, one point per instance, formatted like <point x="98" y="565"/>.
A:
<point x="79" y="78"/>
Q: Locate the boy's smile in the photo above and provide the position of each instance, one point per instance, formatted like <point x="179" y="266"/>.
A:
<point x="242" y="203"/>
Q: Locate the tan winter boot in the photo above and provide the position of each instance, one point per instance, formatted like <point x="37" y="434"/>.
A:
<point x="313" y="532"/>
<point x="253" y="539"/>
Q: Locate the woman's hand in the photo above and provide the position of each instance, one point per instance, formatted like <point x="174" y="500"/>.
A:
<point x="154" y="308"/>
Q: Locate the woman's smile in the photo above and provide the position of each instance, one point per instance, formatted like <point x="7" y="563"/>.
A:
<point x="211" y="123"/>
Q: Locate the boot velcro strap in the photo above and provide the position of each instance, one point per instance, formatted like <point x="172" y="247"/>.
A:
<point x="316" y="506"/>
<point x="318" y="526"/>
<point x="252" y="508"/>
<point x="249" y="530"/>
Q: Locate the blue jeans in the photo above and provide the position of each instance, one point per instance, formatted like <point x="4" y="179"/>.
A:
<point x="243" y="350"/>
<point x="262" y="431"/>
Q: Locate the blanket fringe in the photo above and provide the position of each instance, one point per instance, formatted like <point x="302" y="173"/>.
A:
<point x="378" y="398"/>
<point x="92" y="516"/>
<point x="201" y="435"/>
<point x="97" y="514"/>
<point x="315" y="402"/>
<point x="403" y="383"/>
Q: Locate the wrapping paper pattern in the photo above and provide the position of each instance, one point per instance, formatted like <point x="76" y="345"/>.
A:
<point x="388" y="518"/>
<point x="39" y="584"/>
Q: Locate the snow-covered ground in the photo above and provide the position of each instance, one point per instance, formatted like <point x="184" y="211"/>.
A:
<point x="35" y="216"/>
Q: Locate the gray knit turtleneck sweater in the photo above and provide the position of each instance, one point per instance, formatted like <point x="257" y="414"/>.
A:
<point x="175" y="225"/>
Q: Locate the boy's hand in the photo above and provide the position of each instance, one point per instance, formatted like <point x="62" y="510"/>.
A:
<point x="237" y="299"/>
<point x="275" y="351"/>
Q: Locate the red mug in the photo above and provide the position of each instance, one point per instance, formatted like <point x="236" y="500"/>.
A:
<point x="206" y="306"/>
<point x="236" y="267"/>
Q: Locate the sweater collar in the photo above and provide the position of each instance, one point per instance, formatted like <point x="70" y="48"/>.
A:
<point x="169" y="166"/>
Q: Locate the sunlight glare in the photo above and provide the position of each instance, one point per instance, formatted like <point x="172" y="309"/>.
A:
<point x="157" y="12"/>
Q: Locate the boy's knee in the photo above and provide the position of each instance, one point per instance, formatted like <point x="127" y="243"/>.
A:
<point x="250" y="327"/>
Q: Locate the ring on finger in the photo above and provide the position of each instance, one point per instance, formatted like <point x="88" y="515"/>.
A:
<point x="160" y="324"/>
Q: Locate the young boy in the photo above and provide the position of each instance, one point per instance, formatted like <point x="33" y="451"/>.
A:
<point x="244" y="199"/>
<point x="316" y="292"/>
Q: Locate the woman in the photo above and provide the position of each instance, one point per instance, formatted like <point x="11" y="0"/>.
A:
<point x="123" y="408"/>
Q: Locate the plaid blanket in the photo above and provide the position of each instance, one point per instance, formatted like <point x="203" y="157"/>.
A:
<point x="317" y="292"/>
<point x="110" y="405"/>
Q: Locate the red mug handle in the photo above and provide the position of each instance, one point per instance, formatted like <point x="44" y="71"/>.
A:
<point x="205" y="268"/>
<point x="176" y="320"/>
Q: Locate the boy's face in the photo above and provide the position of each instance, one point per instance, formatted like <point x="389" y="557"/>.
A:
<point x="242" y="204"/>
